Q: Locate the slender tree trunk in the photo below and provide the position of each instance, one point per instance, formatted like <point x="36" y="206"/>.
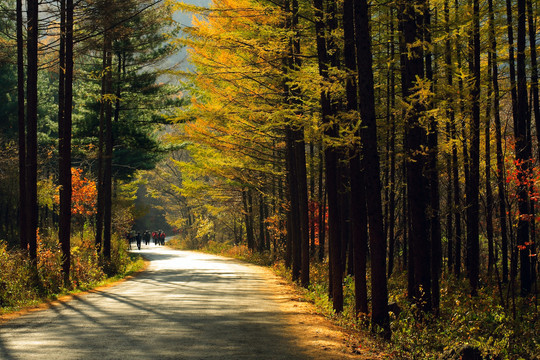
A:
<point x="246" y="194"/>
<point x="31" y="126"/>
<point x="457" y="195"/>
<point x="489" y="191"/>
<point x="472" y="197"/>
<point x="511" y="61"/>
<point x="413" y="68"/>
<point x="331" y="159"/>
<point x="322" y="207"/>
<point x="294" y="206"/>
<point x="23" y="214"/>
<point x="498" y="141"/>
<point x="107" y="159"/>
<point x="379" y="289"/>
<point x="536" y="110"/>
<point x="262" y="237"/>
<point x="523" y="155"/>
<point x="101" y="145"/>
<point x="450" y="126"/>
<point x="300" y="157"/>
<point x="433" y="174"/>
<point x="359" y="236"/>
<point x="392" y="147"/>
<point x="64" y="129"/>
<point x="312" y="198"/>
<point x="303" y="207"/>
<point x="534" y="69"/>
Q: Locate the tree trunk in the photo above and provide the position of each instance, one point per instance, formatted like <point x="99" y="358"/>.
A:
<point x="331" y="158"/>
<point x="31" y="126"/>
<point x="489" y="191"/>
<point x="294" y="204"/>
<point x="101" y="145"/>
<point x="523" y="155"/>
<point x="433" y="174"/>
<point x="312" y="198"/>
<point x="246" y="194"/>
<point x="392" y="147"/>
<point x="379" y="290"/>
<point x="412" y="68"/>
<point x="64" y="128"/>
<point x="536" y="111"/>
<point x="359" y="236"/>
<point x="472" y="197"/>
<point x="108" y="158"/>
<point x="450" y="126"/>
<point x="322" y="207"/>
<point x="498" y="141"/>
<point x="23" y="213"/>
<point x="262" y="237"/>
<point x="534" y="68"/>
<point x="511" y="61"/>
<point x="300" y="156"/>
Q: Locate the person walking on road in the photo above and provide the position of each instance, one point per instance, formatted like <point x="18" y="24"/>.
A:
<point x="139" y="240"/>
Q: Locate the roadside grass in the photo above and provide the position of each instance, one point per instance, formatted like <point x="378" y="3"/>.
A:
<point x="481" y="321"/>
<point x="21" y="287"/>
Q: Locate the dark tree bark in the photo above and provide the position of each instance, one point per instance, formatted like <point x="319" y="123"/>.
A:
<point x="511" y="59"/>
<point x="107" y="161"/>
<point x="261" y="246"/>
<point x="296" y="161"/>
<point x="359" y="236"/>
<point x="523" y="155"/>
<point x="534" y="67"/>
<point x="300" y="157"/>
<point x="418" y="201"/>
<point x="64" y="128"/>
<point x="457" y="195"/>
<point x="312" y="248"/>
<point x="23" y="214"/>
<point x="472" y="197"/>
<point x="498" y="141"/>
<point x="487" y="145"/>
<point x="322" y="207"/>
<point x="248" y="216"/>
<point x="433" y="174"/>
<point x="331" y="159"/>
<point x="379" y="290"/>
<point x="451" y="136"/>
<point x="536" y="112"/>
<point x="101" y="144"/>
<point x="392" y="149"/>
<point x="294" y="203"/>
<point x="31" y="126"/>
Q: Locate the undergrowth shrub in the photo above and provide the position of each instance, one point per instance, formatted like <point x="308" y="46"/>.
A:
<point x="49" y="265"/>
<point x="22" y="283"/>
<point x="85" y="269"/>
<point x="15" y="278"/>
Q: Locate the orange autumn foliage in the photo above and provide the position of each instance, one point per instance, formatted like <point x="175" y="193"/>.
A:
<point x="84" y="194"/>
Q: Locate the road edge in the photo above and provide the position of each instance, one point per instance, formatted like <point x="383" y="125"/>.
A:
<point x="47" y="304"/>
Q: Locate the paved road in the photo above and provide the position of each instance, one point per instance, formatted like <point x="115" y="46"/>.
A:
<point x="185" y="306"/>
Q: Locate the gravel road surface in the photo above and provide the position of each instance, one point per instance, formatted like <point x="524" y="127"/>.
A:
<point x="185" y="306"/>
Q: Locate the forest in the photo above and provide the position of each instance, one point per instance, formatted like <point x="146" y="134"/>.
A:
<point x="385" y="154"/>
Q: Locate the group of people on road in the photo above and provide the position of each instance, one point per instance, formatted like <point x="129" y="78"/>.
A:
<point x="158" y="237"/>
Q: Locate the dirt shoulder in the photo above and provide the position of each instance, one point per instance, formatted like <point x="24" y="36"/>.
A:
<point x="319" y="336"/>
